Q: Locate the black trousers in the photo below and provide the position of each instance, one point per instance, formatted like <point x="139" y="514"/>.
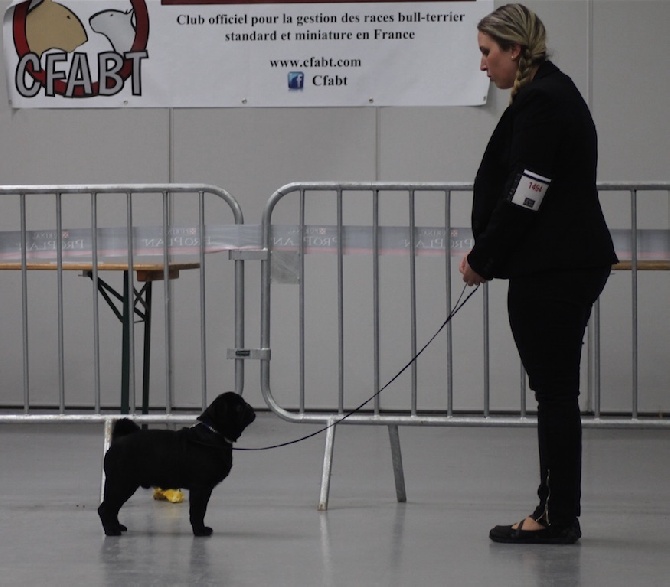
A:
<point x="548" y="314"/>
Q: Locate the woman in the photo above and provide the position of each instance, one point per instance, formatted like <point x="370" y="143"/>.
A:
<point x="537" y="222"/>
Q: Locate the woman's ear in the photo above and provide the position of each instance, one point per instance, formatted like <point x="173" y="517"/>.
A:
<point x="515" y="51"/>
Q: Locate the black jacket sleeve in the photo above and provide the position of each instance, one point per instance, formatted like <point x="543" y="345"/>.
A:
<point x="520" y="227"/>
<point x="532" y="138"/>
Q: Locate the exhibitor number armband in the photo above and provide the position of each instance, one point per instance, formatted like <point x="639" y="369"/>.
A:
<point x="528" y="190"/>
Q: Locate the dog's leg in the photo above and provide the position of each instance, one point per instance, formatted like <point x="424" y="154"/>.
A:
<point x="198" y="498"/>
<point x="110" y="522"/>
<point x="114" y="498"/>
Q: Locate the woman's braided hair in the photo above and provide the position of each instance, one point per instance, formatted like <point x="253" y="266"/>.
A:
<point x="515" y="24"/>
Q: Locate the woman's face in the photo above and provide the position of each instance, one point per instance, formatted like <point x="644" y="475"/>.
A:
<point x="500" y="65"/>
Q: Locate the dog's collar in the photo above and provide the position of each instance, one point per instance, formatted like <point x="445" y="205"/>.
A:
<point x="214" y="430"/>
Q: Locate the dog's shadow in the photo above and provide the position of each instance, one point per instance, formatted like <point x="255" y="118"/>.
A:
<point x="130" y="558"/>
<point x="173" y="556"/>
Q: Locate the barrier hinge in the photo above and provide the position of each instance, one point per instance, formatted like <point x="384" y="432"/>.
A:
<point x="262" y="354"/>
<point x="242" y="255"/>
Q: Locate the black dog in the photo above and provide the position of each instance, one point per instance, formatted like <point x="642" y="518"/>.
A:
<point x="196" y="458"/>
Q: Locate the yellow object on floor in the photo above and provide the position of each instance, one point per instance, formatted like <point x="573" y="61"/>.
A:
<point x="171" y="495"/>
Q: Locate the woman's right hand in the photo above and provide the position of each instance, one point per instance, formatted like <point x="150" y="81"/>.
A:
<point x="470" y="276"/>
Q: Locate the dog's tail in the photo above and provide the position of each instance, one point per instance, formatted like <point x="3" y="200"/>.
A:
<point x="124" y="427"/>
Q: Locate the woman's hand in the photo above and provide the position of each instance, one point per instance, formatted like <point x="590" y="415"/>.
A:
<point x="470" y="276"/>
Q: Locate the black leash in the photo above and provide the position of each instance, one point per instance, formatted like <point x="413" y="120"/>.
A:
<point x="457" y="306"/>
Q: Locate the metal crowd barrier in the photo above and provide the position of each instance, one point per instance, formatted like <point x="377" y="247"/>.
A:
<point x="342" y="235"/>
<point x="353" y="244"/>
<point x="147" y="232"/>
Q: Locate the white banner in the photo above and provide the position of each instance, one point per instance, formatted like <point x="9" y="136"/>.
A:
<point x="209" y="53"/>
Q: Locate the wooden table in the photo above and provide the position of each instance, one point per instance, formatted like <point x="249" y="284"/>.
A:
<point x="138" y="304"/>
<point x="646" y="265"/>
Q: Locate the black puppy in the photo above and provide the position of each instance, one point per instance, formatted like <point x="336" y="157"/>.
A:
<point x="196" y="458"/>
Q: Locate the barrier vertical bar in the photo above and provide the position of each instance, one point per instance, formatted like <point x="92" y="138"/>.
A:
<point x="239" y="308"/>
<point x="24" y="304"/>
<point x="487" y="353"/>
<point x="595" y="382"/>
<point x="412" y="298"/>
<point x="168" y="304"/>
<point x="96" y="314"/>
<point x="108" y="427"/>
<point x="129" y="308"/>
<point x="376" y="298"/>
<point x="301" y="300"/>
<point x="266" y="290"/>
<point x="61" y="327"/>
<point x="203" y="304"/>
<point x="340" y="300"/>
<point x="634" y="334"/>
<point x="447" y="277"/>
<point x="522" y="390"/>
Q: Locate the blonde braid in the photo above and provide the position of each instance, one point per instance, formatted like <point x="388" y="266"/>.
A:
<point x="523" y="74"/>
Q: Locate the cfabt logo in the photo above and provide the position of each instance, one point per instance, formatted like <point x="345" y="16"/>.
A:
<point x="60" y="57"/>
<point x="296" y="80"/>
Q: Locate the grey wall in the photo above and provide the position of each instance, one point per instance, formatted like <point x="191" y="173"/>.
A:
<point x="613" y="49"/>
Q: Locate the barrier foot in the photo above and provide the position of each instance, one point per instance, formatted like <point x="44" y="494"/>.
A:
<point x="327" y="466"/>
<point x="396" y="456"/>
<point x="107" y="440"/>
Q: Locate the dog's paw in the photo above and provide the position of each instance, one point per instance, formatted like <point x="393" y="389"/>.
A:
<point x="204" y="531"/>
<point x="110" y="525"/>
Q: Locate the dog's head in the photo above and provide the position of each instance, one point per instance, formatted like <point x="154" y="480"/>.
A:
<point x="229" y="415"/>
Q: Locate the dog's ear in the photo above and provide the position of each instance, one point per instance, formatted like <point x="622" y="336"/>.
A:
<point x="219" y="408"/>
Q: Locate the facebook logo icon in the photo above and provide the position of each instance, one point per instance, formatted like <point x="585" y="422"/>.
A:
<point x="296" y="80"/>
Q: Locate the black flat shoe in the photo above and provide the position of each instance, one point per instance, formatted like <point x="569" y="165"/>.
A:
<point x="547" y="535"/>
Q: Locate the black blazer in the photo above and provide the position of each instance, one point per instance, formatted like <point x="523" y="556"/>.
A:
<point x="547" y="133"/>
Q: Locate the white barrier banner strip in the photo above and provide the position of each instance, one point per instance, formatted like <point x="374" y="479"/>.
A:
<point x="652" y="244"/>
<point x="215" y="53"/>
<point x="112" y="243"/>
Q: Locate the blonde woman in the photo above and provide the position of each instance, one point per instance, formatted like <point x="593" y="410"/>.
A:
<point x="537" y="222"/>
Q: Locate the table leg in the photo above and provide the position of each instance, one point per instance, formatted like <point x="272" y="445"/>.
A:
<point x="127" y="320"/>
<point x="129" y="307"/>
<point x="146" y="359"/>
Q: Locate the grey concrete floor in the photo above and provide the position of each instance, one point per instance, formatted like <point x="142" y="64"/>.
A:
<point x="267" y="530"/>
